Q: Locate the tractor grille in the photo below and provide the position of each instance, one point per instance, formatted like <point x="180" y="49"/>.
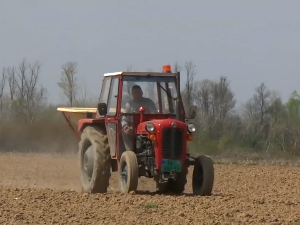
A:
<point x="172" y="145"/>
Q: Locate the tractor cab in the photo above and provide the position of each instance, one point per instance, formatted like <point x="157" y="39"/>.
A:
<point x="155" y="105"/>
<point x="162" y="89"/>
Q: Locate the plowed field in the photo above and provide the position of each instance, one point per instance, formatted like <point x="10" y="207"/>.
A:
<point x="46" y="190"/>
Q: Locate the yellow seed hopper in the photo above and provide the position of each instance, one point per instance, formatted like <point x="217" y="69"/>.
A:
<point x="73" y="115"/>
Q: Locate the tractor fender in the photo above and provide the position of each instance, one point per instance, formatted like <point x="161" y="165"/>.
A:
<point x="83" y="123"/>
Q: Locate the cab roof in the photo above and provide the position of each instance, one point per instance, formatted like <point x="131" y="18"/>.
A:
<point x="140" y="74"/>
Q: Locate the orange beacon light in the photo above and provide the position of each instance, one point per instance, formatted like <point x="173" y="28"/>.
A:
<point x="167" y="69"/>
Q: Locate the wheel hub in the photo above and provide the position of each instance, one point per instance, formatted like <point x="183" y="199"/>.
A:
<point x="88" y="162"/>
<point x="124" y="175"/>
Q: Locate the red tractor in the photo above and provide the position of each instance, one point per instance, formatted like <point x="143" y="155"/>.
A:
<point x="139" y="129"/>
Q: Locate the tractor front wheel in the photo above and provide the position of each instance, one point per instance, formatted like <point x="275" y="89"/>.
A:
<point x="95" y="160"/>
<point x="128" y="172"/>
<point x="203" y="176"/>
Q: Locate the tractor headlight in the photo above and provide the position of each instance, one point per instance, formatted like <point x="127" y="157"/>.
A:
<point x="191" y="128"/>
<point x="150" y="127"/>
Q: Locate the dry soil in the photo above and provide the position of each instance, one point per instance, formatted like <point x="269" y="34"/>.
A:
<point x="40" y="189"/>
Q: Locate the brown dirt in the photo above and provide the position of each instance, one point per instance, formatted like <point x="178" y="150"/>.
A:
<point x="45" y="190"/>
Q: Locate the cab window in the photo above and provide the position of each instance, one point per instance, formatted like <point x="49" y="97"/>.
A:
<point x="113" y="97"/>
<point x="105" y="90"/>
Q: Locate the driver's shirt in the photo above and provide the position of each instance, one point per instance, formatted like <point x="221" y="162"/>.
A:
<point x="133" y="107"/>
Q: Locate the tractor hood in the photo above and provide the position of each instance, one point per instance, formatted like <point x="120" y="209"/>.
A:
<point x="160" y="124"/>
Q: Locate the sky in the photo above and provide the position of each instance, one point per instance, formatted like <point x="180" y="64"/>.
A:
<point x="249" y="42"/>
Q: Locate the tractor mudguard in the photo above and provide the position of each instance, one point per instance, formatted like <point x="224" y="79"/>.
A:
<point x="85" y="122"/>
<point x="80" y="117"/>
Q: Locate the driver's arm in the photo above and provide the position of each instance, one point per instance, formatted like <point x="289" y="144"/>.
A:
<point x="124" y="120"/>
<point x="152" y="106"/>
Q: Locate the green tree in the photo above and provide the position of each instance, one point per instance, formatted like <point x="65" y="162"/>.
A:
<point x="293" y="106"/>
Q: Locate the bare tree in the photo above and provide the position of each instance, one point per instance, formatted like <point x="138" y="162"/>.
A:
<point x="261" y="99"/>
<point x="21" y="80"/>
<point x="293" y="123"/>
<point x="150" y="87"/>
<point x="28" y="96"/>
<point x="129" y="84"/>
<point x="83" y="92"/>
<point x="187" y="94"/>
<point x="24" y="94"/>
<point x="19" y="106"/>
<point x="30" y="86"/>
<point x="256" y="109"/>
<point x="35" y="96"/>
<point x="223" y="99"/>
<point x="177" y="67"/>
<point x="11" y="77"/>
<point x="3" y="81"/>
<point x="68" y="81"/>
<point x="277" y="127"/>
<point x="83" y="99"/>
<point x="129" y="68"/>
<point x="215" y="100"/>
<point x="41" y="94"/>
<point x="12" y="82"/>
<point x="202" y="95"/>
<point x="2" y="86"/>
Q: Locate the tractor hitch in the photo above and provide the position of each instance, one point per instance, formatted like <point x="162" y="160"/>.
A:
<point x="190" y="161"/>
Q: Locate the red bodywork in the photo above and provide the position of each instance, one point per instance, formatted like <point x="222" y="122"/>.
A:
<point x="85" y="122"/>
<point x="160" y="121"/>
<point x="159" y="125"/>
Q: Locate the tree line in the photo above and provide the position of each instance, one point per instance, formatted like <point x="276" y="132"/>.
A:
<point x="265" y="124"/>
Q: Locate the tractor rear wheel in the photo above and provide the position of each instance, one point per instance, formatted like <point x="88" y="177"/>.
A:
<point x="203" y="176"/>
<point x="95" y="160"/>
<point x="128" y="172"/>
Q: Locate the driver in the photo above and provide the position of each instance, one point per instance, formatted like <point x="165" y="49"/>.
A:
<point x="133" y="107"/>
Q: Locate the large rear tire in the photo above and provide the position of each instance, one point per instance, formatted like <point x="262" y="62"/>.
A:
<point x="128" y="172"/>
<point x="95" y="160"/>
<point x="203" y="176"/>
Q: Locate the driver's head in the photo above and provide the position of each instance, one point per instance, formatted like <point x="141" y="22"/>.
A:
<point x="136" y="92"/>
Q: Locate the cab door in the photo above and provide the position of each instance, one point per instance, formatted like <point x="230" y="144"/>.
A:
<point x="111" y="121"/>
